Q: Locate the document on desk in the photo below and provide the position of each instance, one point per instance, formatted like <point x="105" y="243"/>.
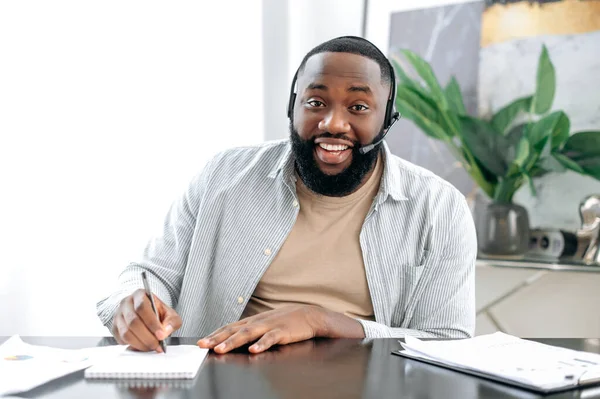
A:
<point x="179" y="362"/>
<point x="24" y="366"/>
<point x="508" y="359"/>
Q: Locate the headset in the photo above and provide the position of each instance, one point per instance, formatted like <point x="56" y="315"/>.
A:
<point x="391" y="115"/>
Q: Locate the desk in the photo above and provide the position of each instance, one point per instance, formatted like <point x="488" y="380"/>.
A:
<point x="313" y="369"/>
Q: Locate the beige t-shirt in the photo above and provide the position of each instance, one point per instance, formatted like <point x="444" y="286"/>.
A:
<point x="321" y="261"/>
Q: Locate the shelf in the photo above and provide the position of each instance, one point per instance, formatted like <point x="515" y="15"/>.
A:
<point x="538" y="264"/>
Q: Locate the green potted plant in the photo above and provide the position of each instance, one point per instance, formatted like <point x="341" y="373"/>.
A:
<point x="520" y="142"/>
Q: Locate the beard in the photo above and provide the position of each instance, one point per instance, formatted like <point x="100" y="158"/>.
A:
<point x="338" y="185"/>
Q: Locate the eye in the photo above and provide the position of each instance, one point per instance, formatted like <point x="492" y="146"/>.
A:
<point x="359" y="107"/>
<point x="315" y="103"/>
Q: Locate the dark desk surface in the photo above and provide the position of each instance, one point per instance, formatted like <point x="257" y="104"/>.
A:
<point x="307" y="370"/>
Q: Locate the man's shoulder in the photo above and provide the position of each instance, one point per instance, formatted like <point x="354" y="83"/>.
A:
<point x="265" y="152"/>
<point x="246" y="161"/>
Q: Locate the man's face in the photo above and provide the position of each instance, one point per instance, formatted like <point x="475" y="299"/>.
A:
<point x="340" y="106"/>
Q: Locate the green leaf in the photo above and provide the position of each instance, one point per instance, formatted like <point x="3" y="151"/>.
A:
<point x="583" y="143"/>
<point x="506" y="188"/>
<point x="538" y="171"/>
<point x="454" y="97"/>
<point x="531" y="185"/>
<point x="503" y="118"/>
<point x="583" y="148"/>
<point x="551" y="164"/>
<point x="545" y="84"/>
<point x="512" y="141"/>
<point x="404" y="79"/>
<point x="568" y="163"/>
<point x="514" y="135"/>
<point x="522" y="154"/>
<point x="422" y="110"/>
<point x="447" y="120"/>
<point x="426" y="73"/>
<point x="561" y="131"/>
<point x="546" y="162"/>
<point x="554" y="126"/>
<point x="420" y="101"/>
<point x="485" y="144"/>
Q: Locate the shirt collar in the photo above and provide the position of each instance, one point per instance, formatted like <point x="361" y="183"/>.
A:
<point x="390" y="180"/>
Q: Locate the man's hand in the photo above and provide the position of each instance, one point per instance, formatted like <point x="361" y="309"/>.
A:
<point x="136" y="324"/>
<point x="282" y="326"/>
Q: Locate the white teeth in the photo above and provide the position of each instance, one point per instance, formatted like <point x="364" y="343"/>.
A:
<point x="333" y="147"/>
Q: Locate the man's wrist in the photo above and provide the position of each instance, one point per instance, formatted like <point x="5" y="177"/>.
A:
<point x="330" y="324"/>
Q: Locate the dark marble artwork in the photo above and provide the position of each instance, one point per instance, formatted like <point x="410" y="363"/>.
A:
<point x="448" y="38"/>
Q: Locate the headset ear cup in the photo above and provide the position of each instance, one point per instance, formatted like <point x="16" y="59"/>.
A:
<point x="290" y="110"/>
<point x="389" y="112"/>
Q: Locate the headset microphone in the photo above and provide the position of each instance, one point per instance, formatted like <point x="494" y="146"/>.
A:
<point x="364" y="149"/>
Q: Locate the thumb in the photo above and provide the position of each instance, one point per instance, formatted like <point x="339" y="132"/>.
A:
<point x="171" y="322"/>
<point x="169" y="319"/>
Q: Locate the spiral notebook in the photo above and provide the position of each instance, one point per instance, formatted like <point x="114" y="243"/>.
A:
<point x="180" y="362"/>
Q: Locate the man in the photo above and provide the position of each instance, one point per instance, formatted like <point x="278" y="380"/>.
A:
<point x="322" y="235"/>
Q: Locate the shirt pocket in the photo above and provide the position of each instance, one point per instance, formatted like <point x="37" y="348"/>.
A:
<point x="409" y="271"/>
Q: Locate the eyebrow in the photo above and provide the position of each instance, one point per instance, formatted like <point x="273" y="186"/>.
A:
<point x="352" y="89"/>
<point x="317" y="86"/>
<point x="363" y="89"/>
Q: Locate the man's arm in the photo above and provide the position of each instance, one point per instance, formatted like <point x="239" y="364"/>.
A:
<point x="445" y="303"/>
<point x="165" y="257"/>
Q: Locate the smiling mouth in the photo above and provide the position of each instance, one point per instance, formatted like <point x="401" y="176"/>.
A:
<point x="333" y="154"/>
<point x="333" y="147"/>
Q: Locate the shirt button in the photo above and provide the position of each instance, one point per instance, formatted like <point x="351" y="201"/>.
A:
<point x="240" y="299"/>
<point x="295" y="203"/>
<point x="267" y="252"/>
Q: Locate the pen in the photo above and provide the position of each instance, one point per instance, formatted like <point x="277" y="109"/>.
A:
<point x="151" y="297"/>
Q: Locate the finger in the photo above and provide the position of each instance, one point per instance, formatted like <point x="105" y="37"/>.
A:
<point x="127" y="335"/>
<point x="117" y="335"/>
<point x="143" y="308"/>
<point x="218" y="336"/>
<point x="137" y="326"/>
<point x="228" y="327"/>
<point x="221" y="334"/>
<point x="115" y="330"/>
<point x="269" y="339"/>
<point x="247" y="333"/>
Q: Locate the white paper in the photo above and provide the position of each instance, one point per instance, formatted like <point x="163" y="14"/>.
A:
<point x="510" y="357"/>
<point x="24" y="366"/>
<point x="180" y="361"/>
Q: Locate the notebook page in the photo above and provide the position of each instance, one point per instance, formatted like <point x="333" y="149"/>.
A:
<point x="510" y="357"/>
<point x="180" y="361"/>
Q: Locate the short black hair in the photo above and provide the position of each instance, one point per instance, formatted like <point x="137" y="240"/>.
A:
<point x="353" y="45"/>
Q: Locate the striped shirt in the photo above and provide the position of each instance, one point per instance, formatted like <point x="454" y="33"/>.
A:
<point x="418" y="245"/>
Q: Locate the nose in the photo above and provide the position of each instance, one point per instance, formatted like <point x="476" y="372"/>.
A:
<point x="335" y="121"/>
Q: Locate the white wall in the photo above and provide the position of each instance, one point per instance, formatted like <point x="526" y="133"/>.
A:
<point x="107" y="109"/>
<point x="315" y="21"/>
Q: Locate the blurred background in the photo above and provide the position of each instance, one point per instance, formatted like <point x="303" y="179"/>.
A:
<point x="108" y="109"/>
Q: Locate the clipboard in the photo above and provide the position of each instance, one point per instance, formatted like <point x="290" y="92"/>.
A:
<point x="587" y="379"/>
